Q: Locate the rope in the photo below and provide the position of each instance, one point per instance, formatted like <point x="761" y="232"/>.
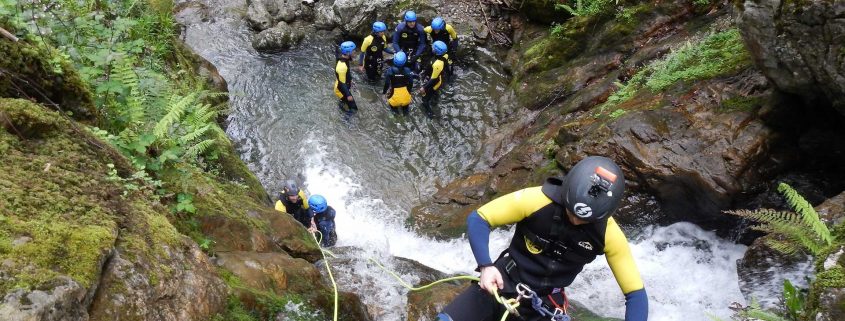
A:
<point x="328" y="268"/>
<point x="509" y="304"/>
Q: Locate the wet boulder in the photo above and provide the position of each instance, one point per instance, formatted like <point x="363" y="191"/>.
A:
<point x="280" y="37"/>
<point x="798" y="45"/>
<point x="258" y="17"/>
<point x="63" y="299"/>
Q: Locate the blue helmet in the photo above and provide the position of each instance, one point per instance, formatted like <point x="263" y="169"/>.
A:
<point x="439" y="48"/>
<point x="399" y="59"/>
<point x="347" y="47"/>
<point x="410" y="16"/>
<point x="438" y="23"/>
<point x="317" y="203"/>
<point x="379" y="26"/>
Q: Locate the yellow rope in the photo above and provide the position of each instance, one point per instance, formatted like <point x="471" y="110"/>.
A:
<point x="328" y="268"/>
<point x="510" y="304"/>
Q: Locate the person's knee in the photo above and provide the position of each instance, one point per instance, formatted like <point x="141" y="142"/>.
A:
<point x="444" y="317"/>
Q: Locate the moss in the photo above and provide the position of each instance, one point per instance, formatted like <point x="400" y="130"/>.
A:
<point x="832" y="278"/>
<point x="42" y="75"/>
<point x="740" y="103"/>
<point x="55" y="199"/>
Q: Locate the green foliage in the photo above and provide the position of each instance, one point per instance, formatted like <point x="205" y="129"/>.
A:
<point x="584" y="8"/>
<point x="721" y="53"/>
<point x="794" y="300"/>
<point x="292" y="306"/>
<point x="791" y="231"/>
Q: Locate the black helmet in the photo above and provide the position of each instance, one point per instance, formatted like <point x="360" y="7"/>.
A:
<point x="290" y="188"/>
<point x="591" y="190"/>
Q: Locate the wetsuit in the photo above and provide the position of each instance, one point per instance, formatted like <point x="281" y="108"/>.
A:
<point x="411" y="41"/>
<point x="398" y="83"/>
<point x="299" y="209"/>
<point x="450" y="38"/>
<point x="545" y="253"/>
<point x="343" y="85"/>
<point x="325" y="224"/>
<point x="434" y="72"/>
<point x="372" y="56"/>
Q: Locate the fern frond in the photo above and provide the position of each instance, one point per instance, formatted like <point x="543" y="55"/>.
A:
<point x="808" y="213"/>
<point x="176" y="109"/>
<point x="124" y="73"/>
<point x="192" y="136"/>
<point x="769" y="216"/>
<point x="784" y="247"/>
<point x="199" y="149"/>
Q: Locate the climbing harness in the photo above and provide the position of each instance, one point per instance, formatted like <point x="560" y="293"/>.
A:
<point x="559" y="314"/>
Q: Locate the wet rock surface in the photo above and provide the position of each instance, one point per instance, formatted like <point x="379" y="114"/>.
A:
<point x="798" y="45"/>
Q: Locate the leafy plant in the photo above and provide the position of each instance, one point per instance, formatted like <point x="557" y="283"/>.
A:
<point x="794" y="231"/>
<point x="587" y="7"/>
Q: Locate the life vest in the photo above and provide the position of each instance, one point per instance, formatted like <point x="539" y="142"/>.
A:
<point x="548" y="250"/>
<point x="373" y="53"/>
<point x="429" y="70"/>
<point x="409" y="38"/>
<point x="398" y="79"/>
<point x="441" y="35"/>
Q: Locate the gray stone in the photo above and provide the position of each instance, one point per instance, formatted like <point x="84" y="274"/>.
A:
<point x="280" y="37"/>
<point x="799" y="45"/>
<point x="258" y="17"/>
<point x="65" y="300"/>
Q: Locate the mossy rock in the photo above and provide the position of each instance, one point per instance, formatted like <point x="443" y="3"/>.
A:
<point x="36" y="73"/>
<point x="59" y="211"/>
<point x="543" y="11"/>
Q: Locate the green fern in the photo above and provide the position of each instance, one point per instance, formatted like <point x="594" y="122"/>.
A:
<point x="176" y="109"/>
<point x="194" y="135"/>
<point x="124" y="72"/>
<point x="198" y="149"/>
<point x="791" y="231"/>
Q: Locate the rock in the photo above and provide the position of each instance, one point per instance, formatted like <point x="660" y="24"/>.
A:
<point x="283" y="275"/>
<point x="542" y="11"/>
<point x="426" y="304"/>
<point x="280" y="37"/>
<point x="325" y="17"/>
<point x="288" y="10"/>
<point x="63" y="299"/>
<point x="357" y="16"/>
<point x="180" y="284"/>
<point x="798" y="45"/>
<point x="761" y="269"/>
<point x="258" y="17"/>
<point x="832" y="211"/>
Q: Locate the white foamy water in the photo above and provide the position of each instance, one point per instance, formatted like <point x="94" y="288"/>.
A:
<point x="689" y="273"/>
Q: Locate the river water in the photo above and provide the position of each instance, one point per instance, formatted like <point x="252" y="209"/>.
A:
<point x="374" y="167"/>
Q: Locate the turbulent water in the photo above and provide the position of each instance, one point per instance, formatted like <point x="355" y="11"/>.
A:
<point x="375" y="166"/>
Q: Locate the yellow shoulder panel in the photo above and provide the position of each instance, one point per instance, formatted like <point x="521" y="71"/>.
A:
<point x="427" y="29"/>
<point x="341" y="70"/>
<point x="304" y="199"/>
<point x="436" y="68"/>
<point x="451" y="31"/>
<point x="514" y="207"/>
<point x="620" y="259"/>
<point x="281" y="207"/>
<point x="367" y="42"/>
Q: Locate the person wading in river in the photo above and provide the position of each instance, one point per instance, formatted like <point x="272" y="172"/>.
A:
<point x="343" y="78"/>
<point x="410" y="38"/>
<point x="434" y="73"/>
<point x="560" y="227"/>
<point x="373" y="48"/>
<point x="439" y="30"/>
<point x="398" y="83"/>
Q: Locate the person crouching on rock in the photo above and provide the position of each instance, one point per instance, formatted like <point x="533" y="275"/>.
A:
<point x="292" y="201"/>
<point x="560" y="227"/>
<point x="343" y="78"/>
<point x="398" y="83"/>
<point x="323" y="218"/>
<point x="373" y="48"/>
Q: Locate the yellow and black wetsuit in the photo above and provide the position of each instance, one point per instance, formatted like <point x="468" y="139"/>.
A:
<point x="447" y="36"/>
<point x="299" y="209"/>
<point x="343" y="84"/>
<point x="434" y="73"/>
<point x="545" y="253"/>
<point x="372" y="56"/>
<point x="398" y="83"/>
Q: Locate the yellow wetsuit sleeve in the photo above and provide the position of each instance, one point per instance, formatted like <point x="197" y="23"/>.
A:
<point x="367" y="42"/>
<point x="452" y="34"/>
<point x="304" y="199"/>
<point x="341" y="70"/>
<point x="620" y="259"/>
<point x="281" y="207"/>
<point x="514" y="207"/>
<point x="427" y="29"/>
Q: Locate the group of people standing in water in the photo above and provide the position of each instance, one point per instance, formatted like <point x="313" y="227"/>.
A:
<point x="411" y="61"/>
